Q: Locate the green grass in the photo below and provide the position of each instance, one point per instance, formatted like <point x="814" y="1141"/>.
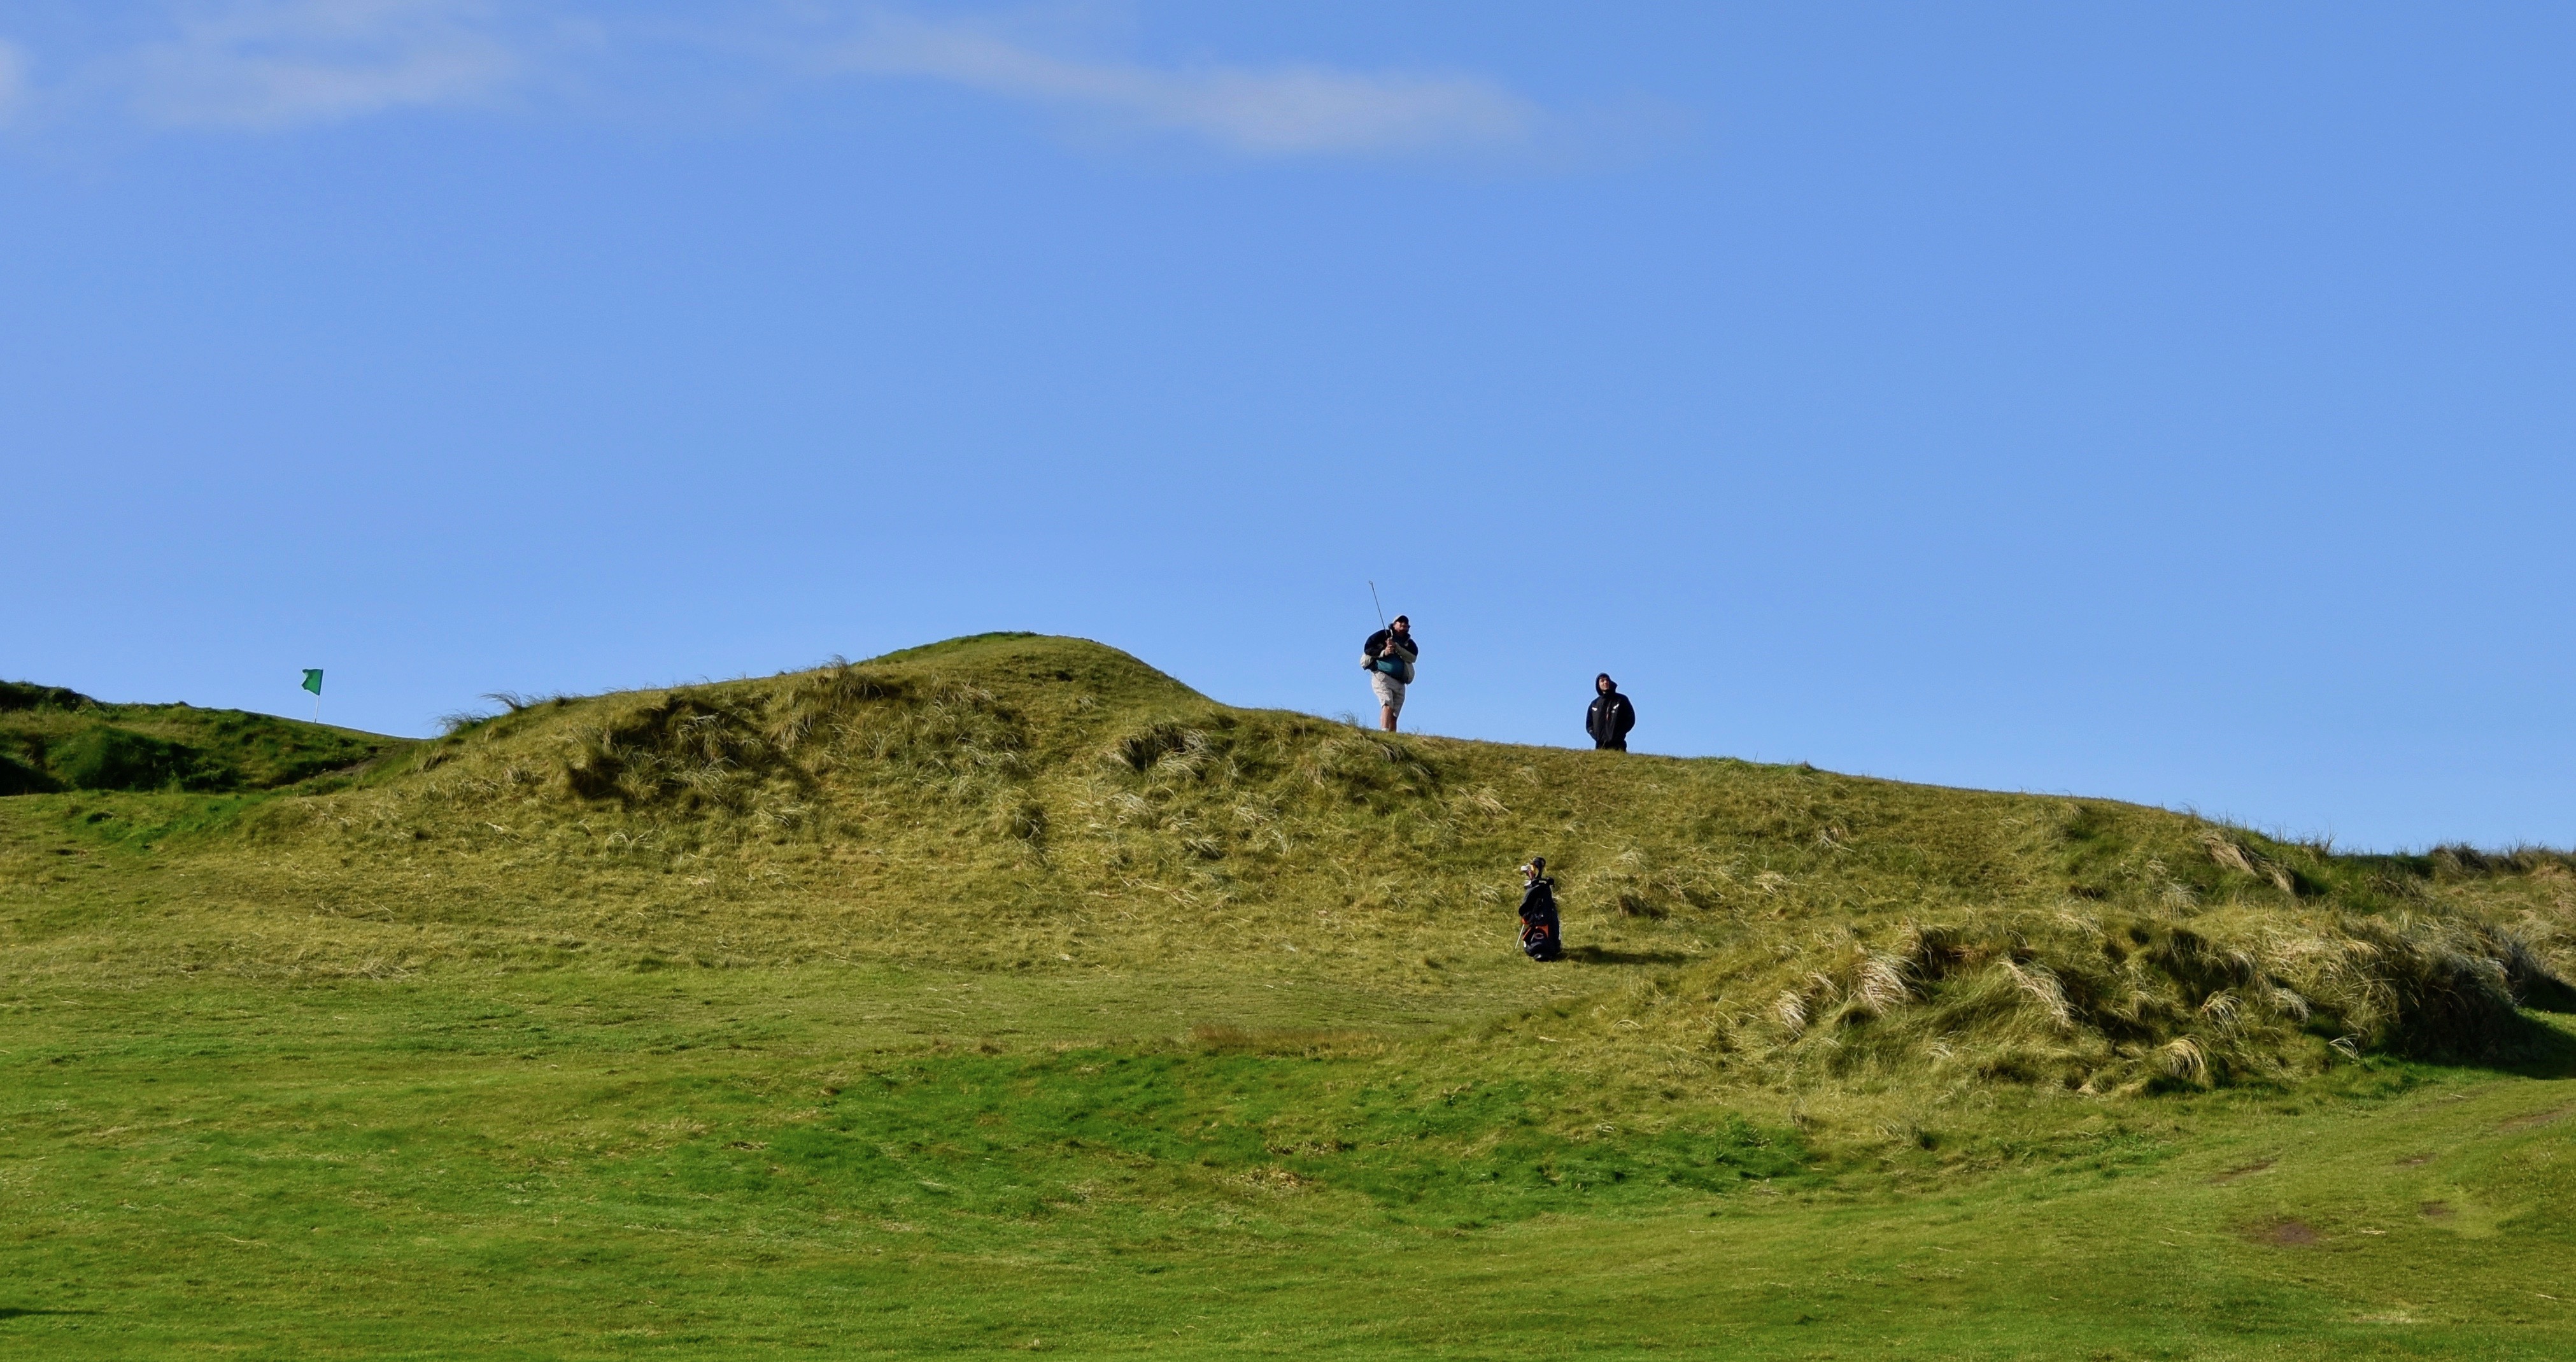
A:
<point x="756" y="1163"/>
<point x="55" y="739"/>
<point x="1002" y="994"/>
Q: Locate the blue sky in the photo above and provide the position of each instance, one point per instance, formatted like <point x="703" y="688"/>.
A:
<point x="2170" y="403"/>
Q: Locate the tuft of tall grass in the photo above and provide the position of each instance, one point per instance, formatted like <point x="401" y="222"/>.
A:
<point x="2102" y="998"/>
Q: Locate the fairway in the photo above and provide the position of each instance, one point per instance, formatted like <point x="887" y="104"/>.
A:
<point x="878" y="1163"/>
<point x="1050" y="1007"/>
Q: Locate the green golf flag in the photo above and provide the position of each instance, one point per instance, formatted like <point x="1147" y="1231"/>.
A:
<point x="313" y="679"/>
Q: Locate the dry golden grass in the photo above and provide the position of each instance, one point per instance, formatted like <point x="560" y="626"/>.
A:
<point x="1031" y="804"/>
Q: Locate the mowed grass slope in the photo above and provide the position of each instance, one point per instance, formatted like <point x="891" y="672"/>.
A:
<point x="1005" y="993"/>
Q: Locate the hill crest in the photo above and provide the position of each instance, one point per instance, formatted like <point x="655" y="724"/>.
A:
<point x="55" y="739"/>
<point x="1020" y="802"/>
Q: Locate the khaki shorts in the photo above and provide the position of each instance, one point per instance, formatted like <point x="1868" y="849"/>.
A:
<point x="1390" y="692"/>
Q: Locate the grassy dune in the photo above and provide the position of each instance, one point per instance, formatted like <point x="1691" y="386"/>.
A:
<point x="57" y="739"/>
<point x="1007" y="994"/>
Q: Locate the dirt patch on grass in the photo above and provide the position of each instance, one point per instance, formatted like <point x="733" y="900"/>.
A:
<point x="1294" y="1042"/>
<point x="2415" y="1161"/>
<point x="2287" y="1234"/>
<point x="2537" y="1118"/>
<point x="2242" y="1172"/>
<point x="2438" y="1210"/>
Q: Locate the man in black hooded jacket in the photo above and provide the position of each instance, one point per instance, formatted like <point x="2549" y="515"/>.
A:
<point x="1610" y="717"/>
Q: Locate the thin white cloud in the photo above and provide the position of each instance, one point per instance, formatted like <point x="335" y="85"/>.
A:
<point x="13" y="80"/>
<point x="268" y="65"/>
<point x="284" y="63"/>
<point x="1287" y="110"/>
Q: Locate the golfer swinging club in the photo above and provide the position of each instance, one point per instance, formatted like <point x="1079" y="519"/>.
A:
<point x="1388" y="657"/>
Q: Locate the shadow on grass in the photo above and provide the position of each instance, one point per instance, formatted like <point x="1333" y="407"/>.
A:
<point x="1597" y="955"/>
<point x="2549" y="995"/>
<point x="19" y="1311"/>
<point x="2538" y="1047"/>
<point x="2544" y="1050"/>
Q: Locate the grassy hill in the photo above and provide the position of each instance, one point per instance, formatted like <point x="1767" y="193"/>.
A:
<point x="1008" y="992"/>
<point x="55" y="739"/>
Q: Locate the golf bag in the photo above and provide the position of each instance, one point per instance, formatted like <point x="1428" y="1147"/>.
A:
<point x="1540" y="939"/>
